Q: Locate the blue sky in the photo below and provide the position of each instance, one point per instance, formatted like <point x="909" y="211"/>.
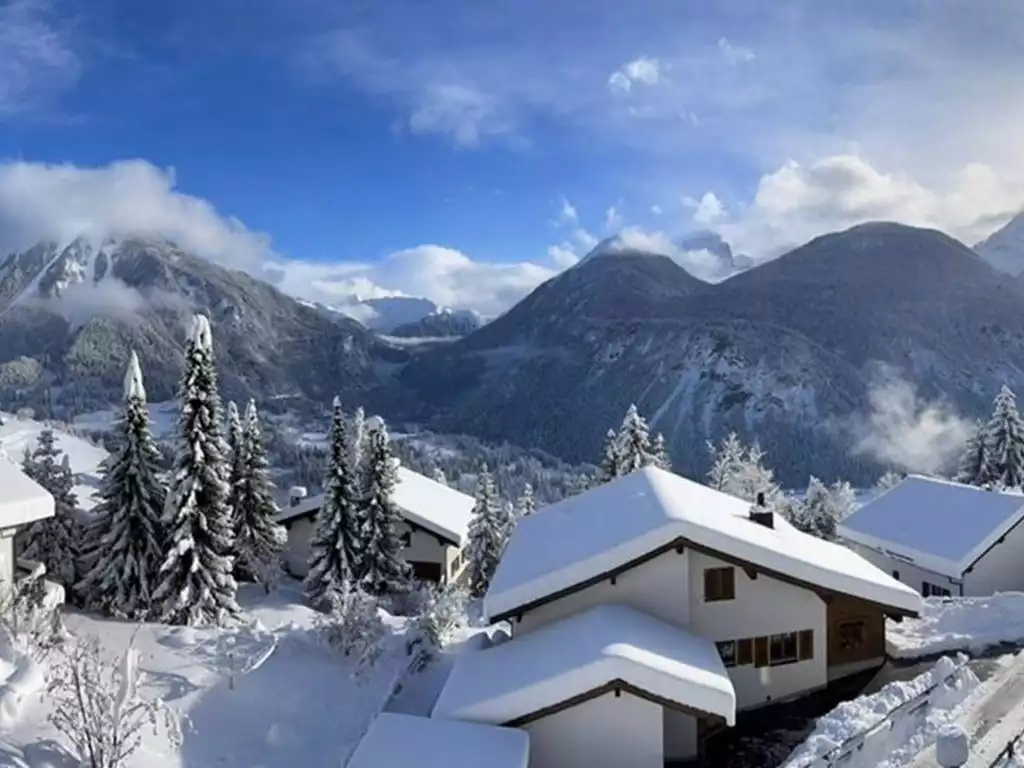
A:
<point x="467" y="150"/>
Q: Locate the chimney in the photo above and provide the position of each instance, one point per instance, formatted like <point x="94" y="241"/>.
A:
<point x="760" y="514"/>
<point x="296" y="494"/>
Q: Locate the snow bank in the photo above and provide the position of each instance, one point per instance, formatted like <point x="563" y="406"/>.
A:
<point x="971" y="624"/>
<point x="884" y="727"/>
<point x="27" y="679"/>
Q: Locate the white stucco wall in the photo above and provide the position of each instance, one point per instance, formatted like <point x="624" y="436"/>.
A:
<point x="658" y="587"/>
<point x="763" y="606"/>
<point x="423" y="547"/>
<point x="910" y="573"/>
<point x="680" y="734"/>
<point x="606" y="732"/>
<point x="999" y="570"/>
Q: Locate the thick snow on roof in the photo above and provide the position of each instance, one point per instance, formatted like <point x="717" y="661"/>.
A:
<point x="22" y="500"/>
<point x="943" y="525"/>
<point x="584" y="536"/>
<point x="398" y="741"/>
<point x="422" y="500"/>
<point x="581" y="653"/>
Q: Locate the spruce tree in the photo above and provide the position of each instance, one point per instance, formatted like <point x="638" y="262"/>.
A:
<point x="123" y="545"/>
<point x="197" y="585"/>
<point x="659" y="453"/>
<point x="974" y="460"/>
<point x="634" y="441"/>
<point x="357" y="437"/>
<point x="611" y="460"/>
<point x="1004" y="443"/>
<point x="526" y="505"/>
<point x="818" y="514"/>
<point x="259" y="539"/>
<point x="335" y="546"/>
<point x="726" y="461"/>
<point x="439" y="476"/>
<point x="236" y="459"/>
<point x="382" y="570"/>
<point x="489" y="530"/>
<point x="54" y="541"/>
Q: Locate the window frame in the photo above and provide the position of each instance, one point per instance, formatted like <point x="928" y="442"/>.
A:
<point x="778" y="657"/>
<point x="728" y="658"/>
<point x="719" y="584"/>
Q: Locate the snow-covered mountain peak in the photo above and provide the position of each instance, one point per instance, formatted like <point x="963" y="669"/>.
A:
<point x="1004" y="248"/>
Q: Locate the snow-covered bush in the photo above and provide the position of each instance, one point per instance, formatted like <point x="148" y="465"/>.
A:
<point x="28" y="619"/>
<point x="412" y="601"/>
<point x="353" y="626"/>
<point x="98" y="708"/>
<point x="442" y="615"/>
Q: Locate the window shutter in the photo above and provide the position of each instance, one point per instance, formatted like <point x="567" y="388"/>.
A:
<point x="710" y="593"/>
<point x="760" y="651"/>
<point x="806" y="643"/>
<point x="729" y="583"/>
<point x="744" y="652"/>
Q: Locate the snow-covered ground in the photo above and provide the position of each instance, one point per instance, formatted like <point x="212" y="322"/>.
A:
<point x="162" y="419"/>
<point x="289" y="701"/>
<point x="972" y="624"/>
<point x="16" y="434"/>
<point x="889" y="728"/>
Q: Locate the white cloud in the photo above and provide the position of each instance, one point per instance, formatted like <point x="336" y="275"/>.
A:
<point x="639" y="71"/>
<point x="656" y="210"/>
<point x="734" y="54"/>
<point x="905" y="431"/>
<point x="699" y="263"/>
<point x="563" y="255"/>
<point x="584" y="238"/>
<point x="36" y="59"/>
<point x="706" y="210"/>
<point x="568" y="213"/>
<point x="612" y="219"/>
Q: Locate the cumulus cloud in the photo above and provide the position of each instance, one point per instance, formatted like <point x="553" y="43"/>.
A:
<point x="706" y="210"/>
<point x="905" y="431"/>
<point x="700" y="263"/>
<point x="639" y="71"/>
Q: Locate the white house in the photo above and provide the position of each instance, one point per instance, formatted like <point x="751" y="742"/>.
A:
<point x="651" y="609"/>
<point x="435" y="527"/>
<point x="403" y="741"/>
<point x="22" y="501"/>
<point x="942" y="538"/>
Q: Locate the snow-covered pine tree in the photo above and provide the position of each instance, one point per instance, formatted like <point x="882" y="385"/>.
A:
<point x="973" y="461"/>
<point x="739" y="470"/>
<point x="381" y="569"/>
<point x="236" y="462"/>
<point x="659" y="453"/>
<point x="259" y="539"/>
<point x="889" y="480"/>
<point x="726" y="460"/>
<point x="197" y="584"/>
<point x="526" y="505"/>
<point x="1004" y="442"/>
<point x="123" y="545"/>
<point x="817" y="515"/>
<point x="439" y="476"/>
<point x="488" y="533"/>
<point x="611" y="460"/>
<point x="54" y="541"/>
<point x="357" y="436"/>
<point x="634" y="441"/>
<point x="335" y="546"/>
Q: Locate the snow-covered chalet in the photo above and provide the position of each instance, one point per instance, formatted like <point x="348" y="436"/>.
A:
<point x="434" y="528"/>
<point x="942" y="538"/>
<point x="648" y="611"/>
<point x="22" y="502"/>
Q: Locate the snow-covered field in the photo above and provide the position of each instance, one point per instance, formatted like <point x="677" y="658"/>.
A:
<point x="162" y="419"/>
<point x="16" y="434"/>
<point x="972" y="624"/>
<point x="266" y="694"/>
<point x="890" y="727"/>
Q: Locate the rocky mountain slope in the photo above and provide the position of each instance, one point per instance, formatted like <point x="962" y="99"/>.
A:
<point x="1004" y="248"/>
<point x="440" y="323"/>
<point x="69" y="315"/>
<point x="787" y="351"/>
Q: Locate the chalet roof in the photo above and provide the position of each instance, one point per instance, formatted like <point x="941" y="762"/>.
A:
<point x="943" y="526"/>
<point x="567" y="545"/>
<point x="606" y="648"/>
<point x="22" y="500"/>
<point x="424" y="502"/>
<point x="395" y="741"/>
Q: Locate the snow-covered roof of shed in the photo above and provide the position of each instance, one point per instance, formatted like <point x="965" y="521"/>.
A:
<point x="396" y="741"/>
<point x="423" y="501"/>
<point x="583" y="654"/>
<point x="580" y="538"/>
<point x="22" y="500"/>
<point x="942" y="525"/>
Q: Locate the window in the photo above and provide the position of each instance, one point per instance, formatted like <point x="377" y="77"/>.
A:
<point x="719" y="584"/>
<point x="727" y="650"/>
<point x="851" y="634"/>
<point x="806" y="643"/>
<point x="782" y="649"/>
<point x="760" y="651"/>
<point x="744" y="652"/>
<point x="933" y="590"/>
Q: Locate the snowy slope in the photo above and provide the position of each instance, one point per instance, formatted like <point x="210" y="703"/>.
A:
<point x="972" y="624"/>
<point x="293" y="701"/>
<point x="1004" y="248"/>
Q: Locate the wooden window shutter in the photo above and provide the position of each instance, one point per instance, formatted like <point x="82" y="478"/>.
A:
<point x="710" y="584"/>
<point x="744" y="652"/>
<point x="760" y="651"/>
<point x="729" y="583"/>
<point x="806" y="645"/>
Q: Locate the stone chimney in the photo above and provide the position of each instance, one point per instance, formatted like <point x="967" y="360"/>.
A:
<point x="296" y="494"/>
<point x="760" y="514"/>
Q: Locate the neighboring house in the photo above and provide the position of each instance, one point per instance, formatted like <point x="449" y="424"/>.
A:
<point x="22" y="502"/>
<point x="403" y="741"/>
<point x="435" y="526"/>
<point x="942" y="538"/>
<point x="648" y="611"/>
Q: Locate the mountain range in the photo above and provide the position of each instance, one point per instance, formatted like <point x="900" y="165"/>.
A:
<point x="788" y="351"/>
